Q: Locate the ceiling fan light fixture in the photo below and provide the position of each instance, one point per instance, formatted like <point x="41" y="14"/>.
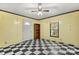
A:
<point x="39" y="7"/>
<point x="40" y="13"/>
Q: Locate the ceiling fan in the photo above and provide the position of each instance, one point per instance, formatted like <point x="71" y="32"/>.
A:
<point x="40" y="10"/>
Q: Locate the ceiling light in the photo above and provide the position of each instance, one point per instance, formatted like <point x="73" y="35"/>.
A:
<point x="40" y="13"/>
<point x="26" y="23"/>
<point x="40" y="9"/>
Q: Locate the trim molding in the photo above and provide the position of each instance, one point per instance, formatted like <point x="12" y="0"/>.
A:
<point x="39" y="19"/>
<point x="18" y="14"/>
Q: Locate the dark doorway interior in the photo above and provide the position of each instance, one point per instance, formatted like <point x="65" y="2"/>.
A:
<point x="36" y="31"/>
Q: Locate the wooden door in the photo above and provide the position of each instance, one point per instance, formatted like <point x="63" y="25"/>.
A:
<point x="36" y="31"/>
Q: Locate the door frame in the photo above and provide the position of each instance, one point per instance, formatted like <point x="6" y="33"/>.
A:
<point x="34" y="30"/>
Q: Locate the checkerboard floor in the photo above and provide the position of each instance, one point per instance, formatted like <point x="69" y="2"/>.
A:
<point x="40" y="47"/>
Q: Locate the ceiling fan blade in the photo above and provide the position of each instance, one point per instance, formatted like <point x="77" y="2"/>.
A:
<point x="33" y="11"/>
<point x="42" y="11"/>
<point x="45" y="10"/>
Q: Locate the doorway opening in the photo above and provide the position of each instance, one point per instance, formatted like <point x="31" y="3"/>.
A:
<point x="36" y="31"/>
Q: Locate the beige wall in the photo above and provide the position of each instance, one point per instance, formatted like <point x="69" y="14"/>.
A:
<point x="68" y="28"/>
<point x="33" y="21"/>
<point x="10" y="31"/>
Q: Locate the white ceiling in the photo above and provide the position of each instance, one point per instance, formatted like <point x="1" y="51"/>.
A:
<point x="26" y="8"/>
